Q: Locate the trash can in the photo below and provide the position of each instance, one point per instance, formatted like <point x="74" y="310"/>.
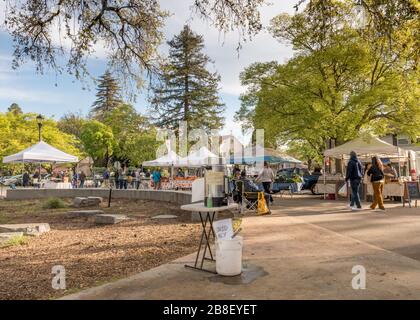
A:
<point x="229" y="256"/>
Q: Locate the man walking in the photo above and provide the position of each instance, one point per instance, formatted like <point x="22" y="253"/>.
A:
<point x="354" y="174"/>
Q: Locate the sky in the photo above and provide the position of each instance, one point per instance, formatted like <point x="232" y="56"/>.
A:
<point x="54" y="95"/>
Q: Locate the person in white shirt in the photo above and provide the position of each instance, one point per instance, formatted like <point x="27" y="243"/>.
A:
<point x="267" y="178"/>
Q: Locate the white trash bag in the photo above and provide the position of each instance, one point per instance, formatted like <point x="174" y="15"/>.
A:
<point x="343" y="190"/>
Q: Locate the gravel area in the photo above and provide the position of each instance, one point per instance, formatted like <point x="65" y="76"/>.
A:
<point x="91" y="254"/>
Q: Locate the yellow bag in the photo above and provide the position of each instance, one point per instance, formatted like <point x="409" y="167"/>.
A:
<point x="262" y="205"/>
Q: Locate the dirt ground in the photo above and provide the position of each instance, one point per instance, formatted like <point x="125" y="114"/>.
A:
<point x="91" y="254"/>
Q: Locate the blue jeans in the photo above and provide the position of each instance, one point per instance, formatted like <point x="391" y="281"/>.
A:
<point x="355" y="197"/>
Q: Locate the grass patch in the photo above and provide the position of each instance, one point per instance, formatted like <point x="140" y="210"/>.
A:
<point x="54" y="203"/>
<point x="16" y="241"/>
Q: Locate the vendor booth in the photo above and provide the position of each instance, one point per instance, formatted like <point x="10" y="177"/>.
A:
<point x="255" y="154"/>
<point x="42" y="152"/>
<point x="367" y="147"/>
<point x="194" y="161"/>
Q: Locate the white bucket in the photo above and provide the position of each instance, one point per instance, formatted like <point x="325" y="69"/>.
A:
<point x="229" y="256"/>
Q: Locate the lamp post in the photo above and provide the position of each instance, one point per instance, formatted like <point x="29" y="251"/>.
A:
<point x="39" y="120"/>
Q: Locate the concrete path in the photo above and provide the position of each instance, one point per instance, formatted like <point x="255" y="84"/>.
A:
<point x="305" y="250"/>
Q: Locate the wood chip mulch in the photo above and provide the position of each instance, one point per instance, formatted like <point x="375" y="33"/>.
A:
<point x="91" y="254"/>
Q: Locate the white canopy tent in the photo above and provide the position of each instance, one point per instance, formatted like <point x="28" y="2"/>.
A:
<point x="40" y="152"/>
<point x="201" y="157"/>
<point x="366" y="146"/>
<point x="169" y="159"/>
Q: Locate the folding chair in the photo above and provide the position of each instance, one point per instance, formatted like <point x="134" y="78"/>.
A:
<point x="248" y="200"/>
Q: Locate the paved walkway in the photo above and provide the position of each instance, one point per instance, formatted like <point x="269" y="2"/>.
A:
<point x="305" y="250"/>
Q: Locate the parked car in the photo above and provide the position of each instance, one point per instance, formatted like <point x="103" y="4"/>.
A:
<point x="309" y="179"/>
<point x="13" y="180"/>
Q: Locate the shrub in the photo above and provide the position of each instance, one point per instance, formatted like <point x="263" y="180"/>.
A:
<point x="54" y="203"/>
<point x="16" y="241"/>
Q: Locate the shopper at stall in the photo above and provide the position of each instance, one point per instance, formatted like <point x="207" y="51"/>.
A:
<point x="105" y="177"/>
<point x="180" y="173"/>
<point x="354" y="175"/>
<point x="236" y="172"/>
<point x="157" y="176"/>
<point x="390" y="172"/>
<point x="129" y="179"/>
<point x="82" y="178"/>
<point x="25" y="179"/>
<point x="377" y="177"/>
<point x="267" y="177"/>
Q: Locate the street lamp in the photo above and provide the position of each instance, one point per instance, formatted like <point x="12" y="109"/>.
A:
<point x="39" y="120"/>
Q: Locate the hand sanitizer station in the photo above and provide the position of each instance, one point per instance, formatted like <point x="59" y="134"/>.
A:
<point x="214" y="187"/>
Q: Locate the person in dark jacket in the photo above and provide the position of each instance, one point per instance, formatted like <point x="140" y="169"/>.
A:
<point x="354" y="174"/>
<point x="377" y="177"/>
<point x="25" y="179"/>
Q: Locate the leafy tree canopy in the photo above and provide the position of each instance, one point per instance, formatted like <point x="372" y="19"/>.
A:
<point x="188" y="90"/>
<point x="135" y="137"/>
<point x="98" y="140"/>
<point x="20" y="130"/>
<point x="130" y="31"/>
<point x="343" y="80"/>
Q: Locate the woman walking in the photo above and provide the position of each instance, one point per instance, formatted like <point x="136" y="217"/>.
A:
<point x="267" y="178"/>
<point x="377" y="178"/>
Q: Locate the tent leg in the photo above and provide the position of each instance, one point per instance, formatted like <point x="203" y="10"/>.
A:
<point x="325" y="196"/>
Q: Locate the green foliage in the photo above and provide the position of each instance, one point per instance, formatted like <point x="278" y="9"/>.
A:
<point x="16" y="241"/>
<point x="188" y="91"/>
<point x="14" y="108"/>
<point x="72" y="123"/>
<point x="54" y="203"/>
<point x="108" y="96"/>
<point x="98" y="140"/>
<point x="341" y="82"/>
<point x="135" y="138"/>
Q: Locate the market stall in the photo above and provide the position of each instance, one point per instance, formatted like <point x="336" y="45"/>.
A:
<point x="259" y="154"/>
<point x="199" y="158"/>
<point x="366" y="147"/>
<point x="39" y="153"/>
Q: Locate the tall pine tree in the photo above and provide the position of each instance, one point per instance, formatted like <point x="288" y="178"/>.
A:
<point x="107" y="98"/>
<point x="187" y="90"/>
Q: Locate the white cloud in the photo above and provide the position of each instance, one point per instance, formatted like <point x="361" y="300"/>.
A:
<point x="15" y="94"/>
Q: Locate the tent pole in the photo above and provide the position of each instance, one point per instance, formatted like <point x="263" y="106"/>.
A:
<point x="325" y="182"/>
<point x="399" y="167"/>
<point x="39" y="177"/>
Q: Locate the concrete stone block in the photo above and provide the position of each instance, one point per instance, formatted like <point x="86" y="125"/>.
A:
<point x="4" y="237"/>
<point x="86" y="201"/>
<point x="110" y="218"/>
<point x="31" y="229"/>
<point x="165" y="216"/>
<point x="83" y="213"/>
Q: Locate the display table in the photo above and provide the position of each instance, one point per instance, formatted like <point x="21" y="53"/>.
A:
<point x="390" y="189"/>
<point x="57" y="185"/>
<point x="182" y="183"/>
<point x="320" y="187"/>
<point x="206" y="218"/>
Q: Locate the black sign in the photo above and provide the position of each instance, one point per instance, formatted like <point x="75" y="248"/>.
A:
<point x="413" y="191"/>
